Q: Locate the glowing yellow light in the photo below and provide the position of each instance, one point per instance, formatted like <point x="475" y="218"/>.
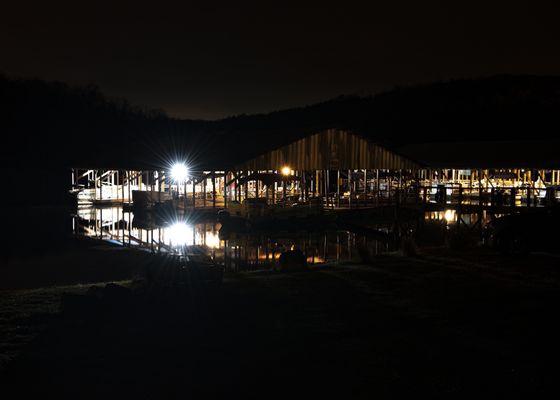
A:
<point x="449" y="215"/>
<point x="286" y="171"/>
<point x="212" y="240"/>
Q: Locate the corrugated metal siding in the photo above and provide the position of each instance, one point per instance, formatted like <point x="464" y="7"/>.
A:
<point x="331" y="149"/>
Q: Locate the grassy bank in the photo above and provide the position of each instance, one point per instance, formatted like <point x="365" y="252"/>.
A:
<point x="32" y="284"/>
<point x="443" y="323"/>
<point x="24" y="314"/>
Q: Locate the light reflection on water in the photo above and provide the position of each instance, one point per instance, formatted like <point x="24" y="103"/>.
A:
<point x="237" y="251"/>
<point x="451" y="217"/>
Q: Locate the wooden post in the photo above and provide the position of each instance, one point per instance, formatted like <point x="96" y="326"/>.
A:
<point x="317" y="184"/>
<point x="266" y="192"/>
<point x="129" y="188"/>
<point x="355" y="183"/>
<point x="121" y="222"/>
<point x="95" y="197"/>
<point x="246" y="186"/>
<point x="238" y="187"/>
<point x="159" y="176"/>
<point x="304" y="183"/>
<point x="377" y="185"/>
<point x="225" y="189"/>
<point x="400" y="187"/>
<point x="184" y="193"/>
<point x="470" y="184"/>
<point x="350" y="188"/>
<point x="193" y="193"/>
<point x="365" y="187"/>
<point x="203" y="189"/>
<point x="327" y="187"/>
<point x="480" y="205"/>
<point x="129" y="223"/>
<point x="338" y="188"/>
<point x="296" y="184"/>
<point x="313" y="183"/>
<point x="213" y="189"/>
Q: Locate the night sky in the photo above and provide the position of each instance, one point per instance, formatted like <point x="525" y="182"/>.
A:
<point x="209" y="61"/>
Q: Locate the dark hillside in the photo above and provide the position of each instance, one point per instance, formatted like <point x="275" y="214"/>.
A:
<point x="494" y="108"/>
<point x="53" y="125"/>
<point x="499" y="108"/>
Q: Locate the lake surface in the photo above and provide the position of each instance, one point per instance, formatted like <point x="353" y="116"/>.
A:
<point x="245" y="249"/>
<point x="235" y="250"/>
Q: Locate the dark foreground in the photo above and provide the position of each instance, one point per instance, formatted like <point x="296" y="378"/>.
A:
<point x="440" y="325"/>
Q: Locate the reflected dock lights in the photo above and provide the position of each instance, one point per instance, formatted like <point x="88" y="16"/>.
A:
<point x="179" y="234"/>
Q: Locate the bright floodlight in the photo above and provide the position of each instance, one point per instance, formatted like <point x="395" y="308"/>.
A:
<point x="179" y="172"/>
<point x="179" y="234"/>
<point x="286" y="171"/>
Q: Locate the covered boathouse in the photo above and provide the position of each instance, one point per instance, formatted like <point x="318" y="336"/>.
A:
<point x="338" y="168"/>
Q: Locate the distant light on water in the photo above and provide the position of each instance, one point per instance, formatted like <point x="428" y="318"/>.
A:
<point x="449" y="215"/>
<point x="212" y="240"/>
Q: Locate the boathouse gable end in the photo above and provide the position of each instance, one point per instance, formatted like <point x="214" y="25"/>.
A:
<point x="331" y="149"/>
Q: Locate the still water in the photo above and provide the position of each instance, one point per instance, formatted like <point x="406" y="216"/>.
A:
<point x="451" y="217"/>
<point x="235" y="250"/>
<point x="250" y="249"/>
